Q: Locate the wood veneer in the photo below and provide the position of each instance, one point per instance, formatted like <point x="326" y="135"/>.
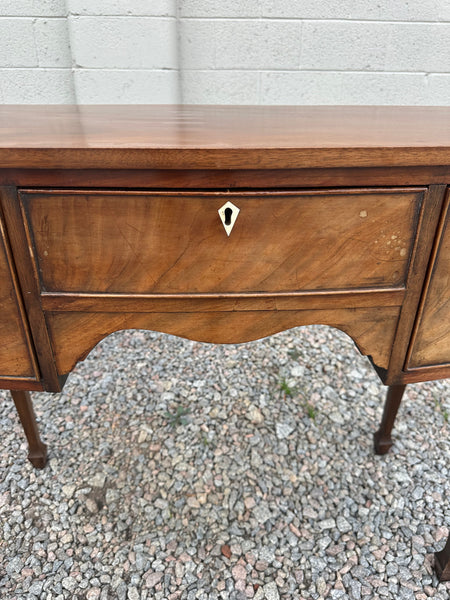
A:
<point x="432" y="342"/>
<point x="16" y="357"/>
<point x="172" y="243"/>
<point x="227" y="137"/>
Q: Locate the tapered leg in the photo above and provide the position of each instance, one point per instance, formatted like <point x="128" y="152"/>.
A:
<point x="37" y="450"/>
<point x="442" y="562"/>
<point x="382" y="437"/>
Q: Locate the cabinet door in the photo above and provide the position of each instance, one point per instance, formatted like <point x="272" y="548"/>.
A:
<point x="432" y="343"/>
<point x="15" y="355"/>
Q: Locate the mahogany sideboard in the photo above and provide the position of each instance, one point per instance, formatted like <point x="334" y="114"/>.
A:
<point x="225" y="225"/>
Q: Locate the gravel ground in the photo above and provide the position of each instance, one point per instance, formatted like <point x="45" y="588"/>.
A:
<point x="180" y="470"/>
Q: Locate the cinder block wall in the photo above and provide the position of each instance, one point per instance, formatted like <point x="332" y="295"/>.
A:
<point x="238" y="51"/>
<point x="35" y="56"/>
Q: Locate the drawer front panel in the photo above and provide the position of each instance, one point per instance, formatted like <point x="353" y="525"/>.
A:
<point x="432" y="344"/>
<point x="175" y="243"/>
<point x="15" y="355"/>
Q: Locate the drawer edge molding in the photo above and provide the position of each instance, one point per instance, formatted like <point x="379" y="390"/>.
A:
<point x="148" y="303"/>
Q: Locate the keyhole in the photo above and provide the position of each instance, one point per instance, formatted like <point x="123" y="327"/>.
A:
<point x="228" y="213"/>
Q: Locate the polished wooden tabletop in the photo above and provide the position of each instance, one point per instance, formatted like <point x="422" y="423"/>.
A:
<point x="195" y="136"/>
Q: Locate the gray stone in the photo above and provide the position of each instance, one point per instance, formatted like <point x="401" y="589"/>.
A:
<point x="391" y="569"/>
<point x="133" y="594"/>
<point x="271" y="591"/>
<point x="355" y="590"/>
<point x="327" y="524"/>
<point x="321" y="585"/>
<point x="262" y="512"/>
<point x="69" y="583"/>
<point x="283" y="430"/>
<point x="343" y="525"/>
<point x="36" y="588"/>
<point x="267" y="554"/>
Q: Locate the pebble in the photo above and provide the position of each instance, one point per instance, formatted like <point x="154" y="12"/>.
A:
<point x="321" y="585"/>
<point x="262" y="513"/>
<point x="133" y="594"/>
<point x="249" y="497"/>
<point x="254" y="415"/>
<point x="239" y="572"/>
<point x="327" y="524"/>
<point x="271" y="591"/>
<point x="343" y="525"/>
<point x="69" y="583"/>
<point x="355" y="590"/>
<point x="153" y="578"/>
<point x="284" y="430"/>
<point x="68" y="490"/>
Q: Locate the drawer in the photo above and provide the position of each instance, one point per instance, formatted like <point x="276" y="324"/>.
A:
<point x="175" y="242"/>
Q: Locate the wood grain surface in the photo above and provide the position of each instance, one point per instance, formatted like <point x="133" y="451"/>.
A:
<point x="241" y="137"/>
<point x="15" y="354"/>
<point x="422" y="252"/>
<point x="432" y="343"/>
<point x="226" y="179"/>
<point x="75" y="334"/>
<point x="142" y="243"/>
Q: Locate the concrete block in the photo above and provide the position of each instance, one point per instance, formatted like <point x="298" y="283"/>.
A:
<point x="124" y="42"/>
<point x="219" y="9"/>
<point x="52" y="43"/>
<point x="419" y="47"/>
<point x="37" y="86"/>
<point x="149" y="8"/>
<point x="438" y="88"/>
<point x="94" y="86"/>
<point x="255" y="44"/>
<point x="344" y="45"/>
<point x="382" y="10"/>
<point x="33" y="8"/>
<point x="220" y="87"/>
<point x="326" y="87"/>
<point x="197" y="44"/>
<point x="362" y="46"/>
<point x="17" y="47"/>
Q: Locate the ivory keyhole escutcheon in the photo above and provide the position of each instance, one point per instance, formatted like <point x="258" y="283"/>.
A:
<point x="228" y="214"/>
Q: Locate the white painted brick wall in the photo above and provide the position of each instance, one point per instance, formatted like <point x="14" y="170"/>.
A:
<point x="17" y="45"/>
<point x="126" y="86"/>
<point x="363" y="46"/>
<point x="303" y="52"/>
<point x="33" y="8"/>
<point x="148" y="8"/>
<point x="124" y="42"/>
<point x="238" y="51"/>
<point x="363" y="10"/>
<point x="35" y="56"/>
<point x="124" y="52"/>
<point x="52" y="43"/>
